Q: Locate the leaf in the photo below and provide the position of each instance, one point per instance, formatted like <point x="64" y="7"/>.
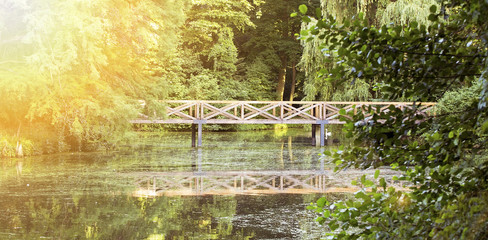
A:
<point x="293" y="14"/>
<point x="318" y="13"/>
<point x="342" y="111"/>
<point x="303" y="9"/>
<point x="436" y="136"/>
<point x="394" y="166"/>
<point x="361" y="194"/>
<point x="368" y="183"/>
<point x="333" y="225"/>
<point x="484" y="127"/>
<point x="433" y="17"/>
<point x="326" y="213"/>
<point x="433" y="9"/>
<point x="376" y="174"/>
<point x="321" y="202"/>
<point x="383" y="183"/>
<point x="451" y="134"/>
<point x="361" y="15"/>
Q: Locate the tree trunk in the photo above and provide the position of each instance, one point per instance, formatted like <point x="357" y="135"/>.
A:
<point x="293" y="80"/>
<point x="280" y="89"/>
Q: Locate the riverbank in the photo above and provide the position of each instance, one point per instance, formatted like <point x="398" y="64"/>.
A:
<point x="34" y="144"/>
<point x="12" y="146"/>
<point x="37" y="142"/>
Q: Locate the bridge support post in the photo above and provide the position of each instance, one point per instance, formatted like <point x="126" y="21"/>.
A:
<point x="314" y="131"/>
<point x="193" y="135"/>
<point x="200" y="134"/>
<point x="322" y="135"/>
<point x="200" y="126"/>
<point x="322" y="131"/>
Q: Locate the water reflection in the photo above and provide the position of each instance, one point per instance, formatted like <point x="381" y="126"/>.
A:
<point x="153" y="184"/>
<point x="19" y="168"/>
<point x="198" y="182"/>
<point x="230" y="182"/>
<point x="122" y="217"/>
<point x="217" y="192"/>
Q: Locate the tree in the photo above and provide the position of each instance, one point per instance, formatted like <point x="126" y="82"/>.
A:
<point x="313" y="60"/>
<point x="272" y="48"/>
<point x="207" y="54"/>
<point x="442" y="155"/>
<point x="84" y="64"/>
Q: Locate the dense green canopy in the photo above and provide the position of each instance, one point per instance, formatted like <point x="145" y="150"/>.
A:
<point x="442" y="155"/>
<point x="74" y="71"/>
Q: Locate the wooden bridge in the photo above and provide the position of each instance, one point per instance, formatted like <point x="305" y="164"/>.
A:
<point x="152" y="184"/>
<point x="198" y="112"/>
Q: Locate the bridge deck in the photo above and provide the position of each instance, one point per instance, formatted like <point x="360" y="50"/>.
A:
<point x="265" y="112"/>
<point x="200" y="112"/>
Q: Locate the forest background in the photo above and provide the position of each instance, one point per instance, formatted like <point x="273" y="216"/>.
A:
<point x="72" y="72"/>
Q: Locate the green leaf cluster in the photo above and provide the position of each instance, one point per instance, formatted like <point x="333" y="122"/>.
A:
<point x="442" y="154"/>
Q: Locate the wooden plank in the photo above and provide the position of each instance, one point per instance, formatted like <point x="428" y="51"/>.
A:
<point x="148" y="175"/>
<point x="260" y="121"/>
<point x="299" y="102"/>
<point x="242" y="111"/>
<point x="161" y="121"/>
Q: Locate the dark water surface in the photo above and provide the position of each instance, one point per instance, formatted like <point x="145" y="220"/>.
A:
<point x="240" y="185"/>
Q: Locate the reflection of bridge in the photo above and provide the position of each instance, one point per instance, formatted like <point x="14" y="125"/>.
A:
<point x="249" y="182"/>
<point x="198" y="112"/>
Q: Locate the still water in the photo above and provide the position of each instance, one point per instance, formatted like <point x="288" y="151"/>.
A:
<point x="239" y="185"/>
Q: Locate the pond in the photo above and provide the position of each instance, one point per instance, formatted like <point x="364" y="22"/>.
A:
<point x="239" y="185"/>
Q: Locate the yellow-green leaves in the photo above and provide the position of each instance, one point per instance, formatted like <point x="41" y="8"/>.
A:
<point x="484" y="127"/>
<point x="303" y="9"/>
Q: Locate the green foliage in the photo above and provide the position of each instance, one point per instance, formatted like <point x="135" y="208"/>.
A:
<point x="207" y="59"/>
<point x="359" y="90"/>
<point x="257" y="78"/>
<point x="83" y="66"/>
<point x="77" y="69"/>
<point x="204" y="86"/>
<point x="318" y="62"/>
<point x="271" y="48"/>
<point x="443" y="156"/>
<point x="458" y="100"/>
<point x="403" y="12"/>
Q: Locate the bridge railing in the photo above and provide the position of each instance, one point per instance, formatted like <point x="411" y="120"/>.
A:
<point x="267" y="112"/>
